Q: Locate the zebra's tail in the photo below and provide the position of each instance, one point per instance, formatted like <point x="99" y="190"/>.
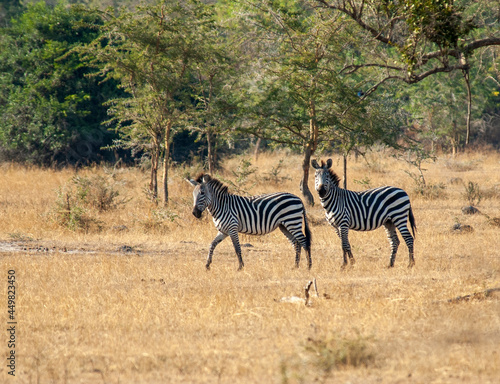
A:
<point x="307" y="230"/>
<point x="412" y="222"/>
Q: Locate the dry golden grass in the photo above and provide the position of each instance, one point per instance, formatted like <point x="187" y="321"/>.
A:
<point x="90" y="310"/>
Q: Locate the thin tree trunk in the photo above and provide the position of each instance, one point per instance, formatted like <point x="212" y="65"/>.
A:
<point x="166" y="162"/>
<point x="210" y="154"/>
<point x="153" y="183"/>
<point x="257" y="149"/>
<point x="345" y="171"/>
<point x="304" y="187"/>
<point x="469" y="105"/>
<point x="309" y="150"/>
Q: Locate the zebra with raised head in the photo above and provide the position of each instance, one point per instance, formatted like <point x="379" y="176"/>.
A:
<point x="256" y="215"/>
<point x="364" y="211"/>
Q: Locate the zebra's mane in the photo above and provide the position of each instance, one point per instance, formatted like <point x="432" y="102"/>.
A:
<point x="213" y="181"/>
<point x="333" y="175"/>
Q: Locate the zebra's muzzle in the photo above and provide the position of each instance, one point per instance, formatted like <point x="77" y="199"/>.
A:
<point x="197" y="213"/>
<point x="322" y="191"/>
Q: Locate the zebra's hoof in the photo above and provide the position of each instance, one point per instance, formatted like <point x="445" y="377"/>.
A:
<point x="207" y="267"/>
<point x="411" y="264"/>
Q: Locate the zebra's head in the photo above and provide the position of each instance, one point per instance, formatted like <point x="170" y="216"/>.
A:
<point x="200" y="196"/>
<point x="324" y="178"/>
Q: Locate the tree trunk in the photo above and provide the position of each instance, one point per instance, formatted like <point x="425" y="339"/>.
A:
<point x="166" y="162"/>
<point x="257" y="149"/>
<point x="153" y="183"/>
<point x="469" y="105"/>
<point x="210" y="154"/>
<point x="305" y="176"/>
<point x="309" y="150"/>
<point x="345" y="171"/>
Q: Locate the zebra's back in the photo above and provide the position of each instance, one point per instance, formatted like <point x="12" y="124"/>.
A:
<point x="370" y="209"/>
<point x="258" y="215"/>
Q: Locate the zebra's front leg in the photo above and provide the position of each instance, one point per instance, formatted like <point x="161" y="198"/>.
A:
<point x="237" y="248"/>
<point x="220" y="236"/>
<point x="346" y="246"/>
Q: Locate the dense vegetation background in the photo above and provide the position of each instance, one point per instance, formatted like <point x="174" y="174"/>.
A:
<point x="153" y="82"/>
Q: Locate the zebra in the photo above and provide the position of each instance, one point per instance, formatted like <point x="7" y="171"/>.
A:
<point x="364" y="211"/>
<point x="255" y="215"/>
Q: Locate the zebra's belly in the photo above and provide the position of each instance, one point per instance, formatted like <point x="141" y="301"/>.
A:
<point x="362" y="225"/>
<point x="256" y="229"/>
<point x="250" y="228"/>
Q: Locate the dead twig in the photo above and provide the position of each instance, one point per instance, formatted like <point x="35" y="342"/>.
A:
<point x="475" y="296"/>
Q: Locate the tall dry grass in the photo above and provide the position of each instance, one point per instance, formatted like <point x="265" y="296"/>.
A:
<point x="132" y="303"/>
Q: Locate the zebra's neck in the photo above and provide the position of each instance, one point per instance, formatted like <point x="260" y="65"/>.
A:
<point x="219" y="196"/>
<point x="336" y="196"/>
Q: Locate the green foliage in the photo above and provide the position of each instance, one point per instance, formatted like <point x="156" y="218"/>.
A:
<point x="51" y="111"/>
<point x="438" y="21"/>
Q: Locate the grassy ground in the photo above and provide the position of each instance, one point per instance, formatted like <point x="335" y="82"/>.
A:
<point x="128" y="300"/>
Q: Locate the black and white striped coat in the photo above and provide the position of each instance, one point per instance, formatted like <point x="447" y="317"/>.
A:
<point x="256" y="215"/>
<point x="364" y="211"/>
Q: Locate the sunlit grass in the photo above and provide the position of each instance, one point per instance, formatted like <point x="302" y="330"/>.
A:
<point x="132" y="302"/>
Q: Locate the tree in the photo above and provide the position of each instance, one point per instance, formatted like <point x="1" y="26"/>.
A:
<point x="153" y="52"/>
<point x="211" y="91"/>
<point x="50" y="111"/>
<point x="411" y="40"/>
<point x="293" y="93"/>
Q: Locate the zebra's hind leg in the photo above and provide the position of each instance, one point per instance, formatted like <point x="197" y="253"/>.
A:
<point x="408" y="238"/>
<point x="237" y="247"/>
<point x="297" y="247"/>
<point x="294" y="241"/>
<point x="392" y="235"/>
<point x="309" y="260"/>
<point x="220" y="236"/>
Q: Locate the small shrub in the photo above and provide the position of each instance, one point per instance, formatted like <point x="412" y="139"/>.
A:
<point x="457" y="166"/>
<point x="241" y="174"/>
<point x="335" y="353"/>
<point x="157" y="219"/>
<point x="364" y="182"/>
<point x="472" y="193"/>
<point x="76" y="200"/>
<point x="274" y="175"/>
<point x="95" y="192"/>
<point x="69" y="213"/>
<point x="427" y="190"/>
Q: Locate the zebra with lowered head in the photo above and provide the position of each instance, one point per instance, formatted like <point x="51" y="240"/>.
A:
<point x="364" y="211"/>
<point x="256" y="215"/>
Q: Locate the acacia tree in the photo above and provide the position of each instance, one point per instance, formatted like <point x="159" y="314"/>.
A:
<point x="293" y="95"/>
<point x="210" y="94"/>
<point x="153" y="52"/>
<point x="410" y="40"/>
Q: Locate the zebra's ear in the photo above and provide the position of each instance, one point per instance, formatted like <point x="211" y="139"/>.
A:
<point x="329" y="163"/>
<point x="194" y="183"/>
<point x="206" y="178"/>
<point x="315" y="164"/>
